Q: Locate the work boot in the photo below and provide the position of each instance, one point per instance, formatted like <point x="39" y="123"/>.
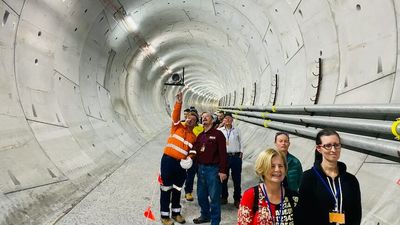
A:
<point x="189" y="197"/>
<point x="167" y="221"/>
<point x="200" y="220"/>
<point x="236" y="203"/>
<point x="179" y="218"/>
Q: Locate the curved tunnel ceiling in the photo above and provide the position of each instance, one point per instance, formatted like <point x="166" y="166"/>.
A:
<point x="212" y="48"/>
<point x="83" y="86"/>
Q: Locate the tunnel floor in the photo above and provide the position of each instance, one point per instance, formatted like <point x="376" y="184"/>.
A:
<point x="123" y="197"/>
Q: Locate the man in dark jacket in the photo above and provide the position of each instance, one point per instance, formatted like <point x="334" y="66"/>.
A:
<point x="210" y="147"/>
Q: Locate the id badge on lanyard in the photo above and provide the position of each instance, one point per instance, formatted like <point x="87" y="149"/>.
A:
<point x="278" y="219"/>
<point x="337" y="215"/>
<point x="203" y="140"/>
<point x="228" y="134"/>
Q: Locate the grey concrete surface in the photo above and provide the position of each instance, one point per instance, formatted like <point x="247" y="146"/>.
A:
<point x="124" y="196"/>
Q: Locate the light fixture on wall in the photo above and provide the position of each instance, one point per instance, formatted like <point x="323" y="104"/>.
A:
<point x="177" y="79"/>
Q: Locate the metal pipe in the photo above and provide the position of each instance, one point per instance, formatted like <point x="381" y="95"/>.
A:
<point x="376" y="145"/>
<point x="382" y="109"/>
<point x="365" y="125"/>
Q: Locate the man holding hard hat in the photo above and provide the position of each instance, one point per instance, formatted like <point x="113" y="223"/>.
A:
<point x="174" y="163"/>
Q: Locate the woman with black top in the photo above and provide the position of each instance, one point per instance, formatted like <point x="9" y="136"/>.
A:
<point x="328" y="194"/>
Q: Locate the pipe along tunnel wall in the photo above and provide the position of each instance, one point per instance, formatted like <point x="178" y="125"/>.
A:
<point x="82" y="85"/>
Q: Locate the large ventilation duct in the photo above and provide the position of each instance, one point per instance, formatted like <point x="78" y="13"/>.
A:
<point x="292" y="118"/>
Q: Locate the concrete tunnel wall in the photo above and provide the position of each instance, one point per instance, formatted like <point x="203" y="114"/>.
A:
<point x="82" y="89"/>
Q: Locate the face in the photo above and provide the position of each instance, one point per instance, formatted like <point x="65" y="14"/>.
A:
<point x="282" y="143"/>
<point x="206" y="119"/>
<point x="185" y="114"/>
<point x="220" y="116"/>
<point x="332" y="154"/>
<point x="277" y="172"/>
<point x="190" y="120"/>
<point x="228" y="120"/>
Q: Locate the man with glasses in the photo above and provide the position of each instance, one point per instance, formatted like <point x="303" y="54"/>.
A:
<point x="328" y="194"/>
<point x="235" y="154"/>
<point x="211" y="156"/>
<point x="173" y="161"/>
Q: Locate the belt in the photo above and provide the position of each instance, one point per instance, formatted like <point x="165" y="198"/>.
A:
<point x="234" y="153"/>
<point x="167" y="156"/>
<point x="208" y="164"/>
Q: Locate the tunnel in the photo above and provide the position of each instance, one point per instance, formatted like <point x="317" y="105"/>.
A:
<point x="88" y="92"/>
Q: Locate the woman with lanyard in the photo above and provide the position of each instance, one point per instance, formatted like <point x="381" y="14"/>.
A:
<point x="329" y="194"/>
<point x="268" y="203"/>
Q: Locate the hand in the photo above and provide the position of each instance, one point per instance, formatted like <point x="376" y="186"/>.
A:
<point x="222" y="177"/>
<point x="241" y="155"/>
<point x="179" y="97"/>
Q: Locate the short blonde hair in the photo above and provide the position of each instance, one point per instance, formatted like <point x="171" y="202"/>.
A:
<point x="264" y="161"/>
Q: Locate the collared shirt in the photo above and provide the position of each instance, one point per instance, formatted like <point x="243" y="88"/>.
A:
<point x="196" y="129"/>
<point x="214" y="151"/>
<point x="233" y="143"/>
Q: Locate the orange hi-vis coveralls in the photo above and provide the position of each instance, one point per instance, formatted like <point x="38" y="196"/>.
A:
<point x="179" y="143"/>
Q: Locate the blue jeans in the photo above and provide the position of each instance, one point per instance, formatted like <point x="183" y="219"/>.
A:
<point x="209" y="185"/>
<point x="191" y="173"/>
<point x="235" y="166"/>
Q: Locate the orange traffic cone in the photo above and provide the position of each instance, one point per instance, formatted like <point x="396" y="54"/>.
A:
<point x="149" y="214"/>
<point x="160" y="181"/>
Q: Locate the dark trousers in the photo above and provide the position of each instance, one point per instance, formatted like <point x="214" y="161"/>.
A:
<point x="173" y="177"/>
<point x="235" y="167"/>
<point x="191" y="173"/>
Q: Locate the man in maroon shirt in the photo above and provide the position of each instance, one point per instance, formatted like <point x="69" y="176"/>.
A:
<point x="210" y="148"/>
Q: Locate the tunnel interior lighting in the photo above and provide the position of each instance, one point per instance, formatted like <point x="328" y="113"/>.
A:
<point x="130" y="24"/>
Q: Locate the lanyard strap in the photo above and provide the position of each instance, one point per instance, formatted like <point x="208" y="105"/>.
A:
<point x="203" y="138"/>
<point x="228" y="132"/>
<point x="335" y="194"/>
<point x="279" y="219"/>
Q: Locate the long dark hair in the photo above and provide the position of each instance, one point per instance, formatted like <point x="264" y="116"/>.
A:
<point x="321" y="133"/>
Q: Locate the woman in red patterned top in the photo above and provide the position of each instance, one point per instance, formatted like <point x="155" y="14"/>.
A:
<point x="268" y="203"/>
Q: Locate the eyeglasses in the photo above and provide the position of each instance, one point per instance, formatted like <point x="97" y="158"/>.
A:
<point x="329" y="146"/>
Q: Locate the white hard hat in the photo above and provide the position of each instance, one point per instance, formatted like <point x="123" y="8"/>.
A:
<point x="186" y="163"/>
